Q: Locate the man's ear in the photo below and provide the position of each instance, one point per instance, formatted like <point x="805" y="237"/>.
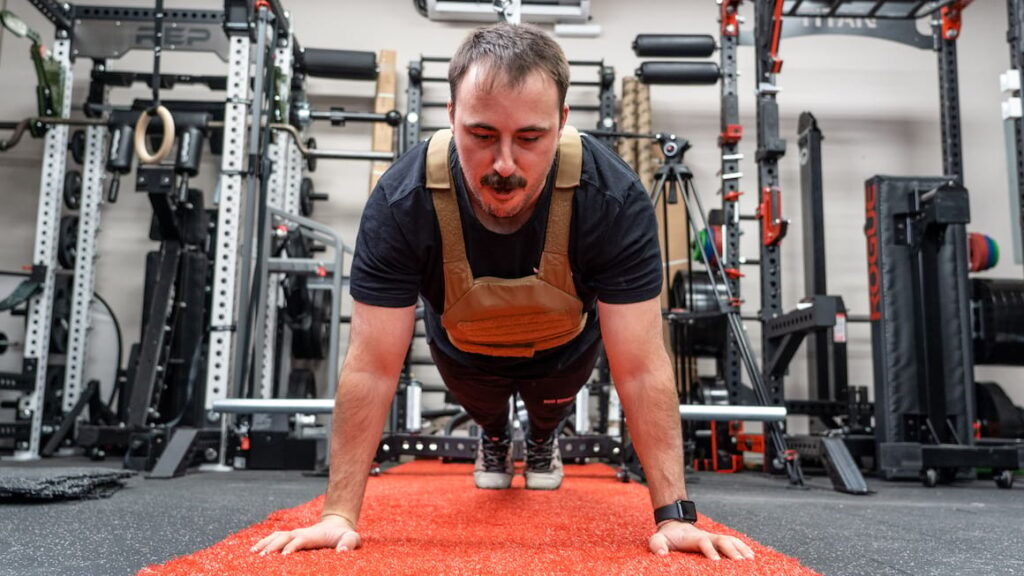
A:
<point x="564" y="119"/>
<point x="451" y="112"/>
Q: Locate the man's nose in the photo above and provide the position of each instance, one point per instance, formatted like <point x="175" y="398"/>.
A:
<point x="504" y="163"/>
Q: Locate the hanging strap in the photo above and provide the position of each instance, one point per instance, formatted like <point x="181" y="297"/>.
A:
<point x="158" y="47"/>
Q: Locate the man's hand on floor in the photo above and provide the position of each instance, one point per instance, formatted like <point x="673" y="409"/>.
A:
<point x="685" y="537"/>
<point x="331" y="532"/>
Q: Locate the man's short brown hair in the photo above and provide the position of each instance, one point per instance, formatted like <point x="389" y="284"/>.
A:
<point x="509" y="53"/>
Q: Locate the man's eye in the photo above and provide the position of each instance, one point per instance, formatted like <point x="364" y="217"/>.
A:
<point x="529" y="139"/>
<point x="483" y="137"/>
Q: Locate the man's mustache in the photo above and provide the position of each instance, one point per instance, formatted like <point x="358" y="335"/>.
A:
<point x="501" y="183"/>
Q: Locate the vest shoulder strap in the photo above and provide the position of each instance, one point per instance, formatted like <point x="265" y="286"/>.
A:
<point x="570" y="158"/>
<point x="439" y="181"/>
<point x="438" y="174"/>
<point x="570" y="165"/>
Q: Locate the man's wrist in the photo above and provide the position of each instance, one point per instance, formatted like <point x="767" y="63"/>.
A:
<point x="326" y="515"/>
<point x="672" y="521"/>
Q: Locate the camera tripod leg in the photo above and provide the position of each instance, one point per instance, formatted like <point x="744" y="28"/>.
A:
<point x="778" y="441"/>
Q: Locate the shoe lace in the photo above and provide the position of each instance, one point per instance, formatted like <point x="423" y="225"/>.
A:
<point x="540" y="454"/>
<point x="495" y="453"/>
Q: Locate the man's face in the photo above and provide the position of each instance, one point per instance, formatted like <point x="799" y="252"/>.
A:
<point x="506" y="138"/>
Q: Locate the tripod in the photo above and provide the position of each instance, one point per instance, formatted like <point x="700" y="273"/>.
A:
<point x="674" y="176"/>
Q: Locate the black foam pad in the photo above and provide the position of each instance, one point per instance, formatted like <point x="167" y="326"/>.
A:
<point x="674" y="45"/>
<point x="339" y="64"/>
<point x="678" y="73"/>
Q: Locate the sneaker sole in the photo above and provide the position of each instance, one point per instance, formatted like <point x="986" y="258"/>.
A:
<point x="542" y="483"/>
<point x="492" y="480"/>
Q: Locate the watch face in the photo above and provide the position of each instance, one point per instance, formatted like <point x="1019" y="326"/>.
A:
<point x="689" y="510"/>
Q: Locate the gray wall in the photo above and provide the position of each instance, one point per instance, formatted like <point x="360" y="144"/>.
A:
<point x="876" y="102"/>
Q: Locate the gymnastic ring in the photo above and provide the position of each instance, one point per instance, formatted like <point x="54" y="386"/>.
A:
<point x="141" y="149"/>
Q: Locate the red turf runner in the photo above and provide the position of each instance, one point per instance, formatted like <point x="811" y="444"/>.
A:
<point x="426" y="518"/>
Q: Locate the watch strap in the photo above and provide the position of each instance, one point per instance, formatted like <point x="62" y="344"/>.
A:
<point x="682" y="510"/>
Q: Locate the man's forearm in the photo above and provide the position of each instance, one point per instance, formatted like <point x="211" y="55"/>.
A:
<point x="652" y="415"/>
<point x="360" y="410"/>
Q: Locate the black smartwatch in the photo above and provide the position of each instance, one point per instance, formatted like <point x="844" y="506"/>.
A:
<point x="682" y="510"/>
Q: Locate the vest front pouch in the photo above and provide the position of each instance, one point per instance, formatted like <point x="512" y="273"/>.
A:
<point x="501" y="316"/>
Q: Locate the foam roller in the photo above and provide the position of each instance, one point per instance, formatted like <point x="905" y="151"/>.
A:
<point x="674" y="45"/>
<point x="678" y="73"/>
<point x="339" y="64"/>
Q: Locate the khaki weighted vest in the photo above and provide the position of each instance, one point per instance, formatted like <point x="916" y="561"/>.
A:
<point x="499" y="316"/>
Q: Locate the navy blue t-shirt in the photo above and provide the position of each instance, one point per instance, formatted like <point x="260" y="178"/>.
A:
<point x="613" y="250"/>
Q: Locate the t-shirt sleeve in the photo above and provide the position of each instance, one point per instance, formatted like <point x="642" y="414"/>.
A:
<point x="385" y="268"/>
<point x="629" y="268"/>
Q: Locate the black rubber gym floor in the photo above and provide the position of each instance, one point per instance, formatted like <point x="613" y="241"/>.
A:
<point x="902" y="529"/>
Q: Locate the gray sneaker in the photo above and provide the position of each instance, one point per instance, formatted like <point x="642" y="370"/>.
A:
<point x="543" y="465"/>
<point x="494" y="467"/>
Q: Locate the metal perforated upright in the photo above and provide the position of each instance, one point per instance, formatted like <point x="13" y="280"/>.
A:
<point x="293" y="181"/>
<point x="1015" y="38"/>
<point x="277" y="196"/>
<point x="413" y="127"/>
<point x="606" y="101"/>
<point x="946" y="31"/>
<point x="222" y="323"/>
<point x="37" y="337"/>
<point x="770" y="147"/>
<point x="949" y="100"/>
<point x="85" y="263"/>
<point x="730" y="174"/>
